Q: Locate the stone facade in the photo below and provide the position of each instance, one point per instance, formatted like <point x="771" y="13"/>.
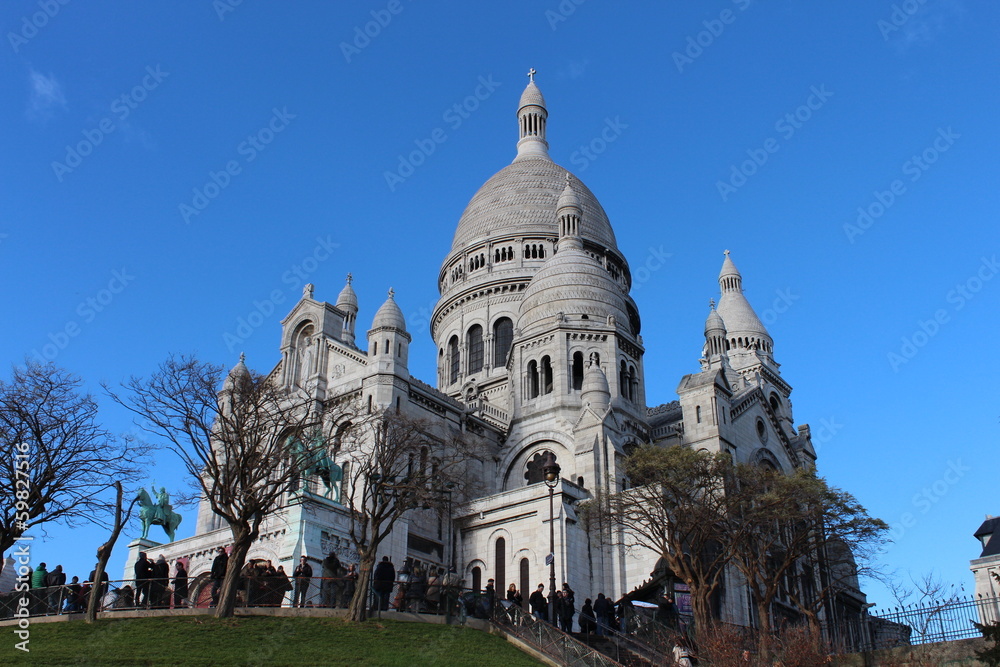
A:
<point x="539" y="350"/>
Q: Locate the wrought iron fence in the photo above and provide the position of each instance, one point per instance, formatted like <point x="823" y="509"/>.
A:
<point x="931" y="622"/>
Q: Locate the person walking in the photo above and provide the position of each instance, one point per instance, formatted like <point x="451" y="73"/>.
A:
<point x="218" y="573"/>
<point x="382" y="581"/>
<point x="588" y="622"/>
<point x="567" y="609"/>
<point x="514" y="595"/>
<point x="539" y="605"/>
<point x="302" y="574"/>
<point x="603" y="609"/>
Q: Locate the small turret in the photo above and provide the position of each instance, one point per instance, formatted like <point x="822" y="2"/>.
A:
<point x="596" y="392"/>
<point x="347" y="303"/>
<point x="388" y="341"/>
<point x="569" y="213"/>
<point x="531" y="118"/>
<point x="748" y="337"/>
<point x="715" y="339"/>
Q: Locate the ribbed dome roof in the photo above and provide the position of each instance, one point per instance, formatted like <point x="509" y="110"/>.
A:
<point x="568" y="197"/>
<point x="522" y="198"/>
<point x="389" y="315"/>
<point x="714" y="321"/>
<point x="531" y="95"/>
<point x="347" y="297"/>
<point x="573" y="283"/>
<point x="739" y="316"/>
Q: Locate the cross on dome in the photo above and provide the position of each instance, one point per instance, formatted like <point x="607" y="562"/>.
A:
<point x="392" y="292"/>
<point x="711" y="304"/>
<point x="531" y="75"/>
<point x="350" y="278"/>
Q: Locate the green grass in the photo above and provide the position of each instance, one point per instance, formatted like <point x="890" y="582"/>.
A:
<point x="258" y="640"/>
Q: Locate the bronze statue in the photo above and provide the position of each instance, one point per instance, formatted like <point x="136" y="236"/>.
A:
<point x="312" y="459"/>
<point x="159" y="513"/>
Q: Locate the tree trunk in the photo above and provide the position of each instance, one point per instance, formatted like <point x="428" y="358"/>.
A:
<point x="701" y="608"/>
<point x="242" y="540"/>
<point x="103" y="555"/>
<point x="764" y="630"/>
<point x="358" y="611"/>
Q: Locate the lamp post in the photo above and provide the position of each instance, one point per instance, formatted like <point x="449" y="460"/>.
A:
<point x="551" y="471"/>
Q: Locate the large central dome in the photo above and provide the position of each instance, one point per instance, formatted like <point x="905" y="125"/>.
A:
<point x="521" y="198"/>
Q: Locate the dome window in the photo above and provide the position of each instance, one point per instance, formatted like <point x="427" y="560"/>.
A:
<point x="476" y="349"/>
<point x="503" y="338"/>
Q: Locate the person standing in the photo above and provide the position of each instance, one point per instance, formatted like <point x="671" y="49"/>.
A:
<point x="382" y="580"/>
<point x="514" y="596"/>
<point x="180" y="585"/>
<point x="350" y="585"/>
<point x="218" y="573"/>
<point x="302" y="574"/>
<point x="588" y="622"/>
<point x="54" y="582"/>
<point x="98" y="589"/>
<point x="567" y="609"/>
<point x="331" y="580"/>
<point x="143" y="571"/>
<point x="603" y="609"/>
<point x="539" y="605"/>
<point x="160" y="580"/>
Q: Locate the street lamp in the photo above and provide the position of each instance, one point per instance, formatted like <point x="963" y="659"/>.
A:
<point x="551" y="472"/>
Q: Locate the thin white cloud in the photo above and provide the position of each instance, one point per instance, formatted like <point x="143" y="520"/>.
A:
<point x="928" y="24"/>
<point x="46" y="96"/>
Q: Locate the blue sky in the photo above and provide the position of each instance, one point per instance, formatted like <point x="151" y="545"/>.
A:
<point x="170" y="171"/>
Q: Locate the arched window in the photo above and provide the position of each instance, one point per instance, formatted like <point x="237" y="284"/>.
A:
<point x="633" y="380"/>
<point x="501" y="566"/>
<point x="697" y="413"/>
<point x="525" y="582"/>
<point x="477" y="580"/>
<point x="546" y="375"/>
<point x="532" y="379"/>
<point x="453" y="359"/>
<point x="475" y="348"/>
<point x="623" y="383"/>
<point x="503" y="337"/>
<point x="577" y="371"/>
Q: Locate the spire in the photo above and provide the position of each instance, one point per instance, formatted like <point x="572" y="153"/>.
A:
<point x="347" y="303"/>
<point x="743" y="328"/>
<point x="569" y="213"/>
<point x="730" y="279"/>
<point x="531" y="118"/>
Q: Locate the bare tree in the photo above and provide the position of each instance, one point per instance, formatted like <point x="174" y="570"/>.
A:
<point x="396" y="464"/>
<point x="58" y="463"/>
<point x="677" y="509"/>
<point x="237" y="443"/>
<point x="779" y="520"/>
<point x="122" y="516"/>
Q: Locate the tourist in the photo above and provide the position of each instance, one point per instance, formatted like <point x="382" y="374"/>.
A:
<point x="567" y="609"/>
<point x="302" y="574"/>
<point x="159" y="591"/>
<point x="451" y="588"/>
<point x="331" y="580"/>
<point x="102" y="589"/>
<point x="180" y="585"/>
<point x="54" y="582"/>
<point x="514" y="595"/>
<point x="433" y="595"/>
<point x="403" y="581"/>
<point x="416" y="590"/>
<point x="603" y="610"/>
<point x="539" y="605"/>
<point x="382" y="579"/>
<point x="350" y="585"/>
<point x="218" y="573"/>
<point x="588" y="622"/>
<point x="282" y="585"/>
<point x="681" y="653"/>
<point x="666" y="611"/>
<point x="143" y="571"/>
<point x="73" y="589"/>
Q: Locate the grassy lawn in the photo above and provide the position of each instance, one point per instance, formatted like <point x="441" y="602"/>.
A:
<point x="204" y="640"/>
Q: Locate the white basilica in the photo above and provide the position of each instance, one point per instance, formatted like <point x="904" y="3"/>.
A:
<point x="539" y="350"/>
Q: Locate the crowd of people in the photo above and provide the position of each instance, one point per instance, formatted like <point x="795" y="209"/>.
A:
<point x="50" y="593"/>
